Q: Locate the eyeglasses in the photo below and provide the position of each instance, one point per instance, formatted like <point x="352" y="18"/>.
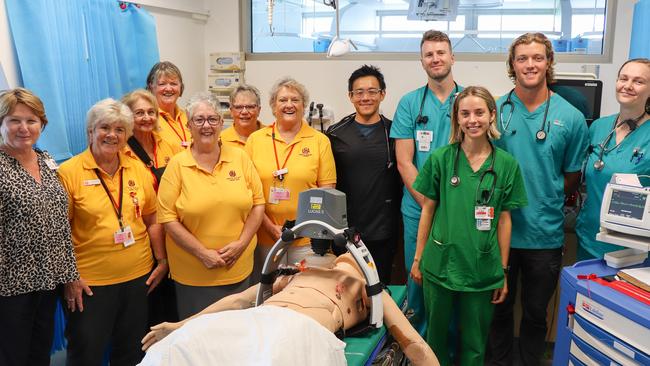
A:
<point x="372" y="92"/>
<point x="140" y="113"/>
<point x="241" y="107"/>
<point x="212" y="121"/>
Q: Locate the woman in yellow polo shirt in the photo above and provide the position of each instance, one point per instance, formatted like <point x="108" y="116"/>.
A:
<point x="112" y="210"/>
<point x="166" y="83"/>
<point x="290" y="157"/>
<point x="211" y="204"/>
<point x="245" y="108"/>
<point x="146" y="145"/>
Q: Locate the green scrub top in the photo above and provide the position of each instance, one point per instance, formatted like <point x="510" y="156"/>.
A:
<point x="621" y="159"/>
<point x="540" y="225"/>
<point x="457" y="255"/>
<point x="405" y="127"/>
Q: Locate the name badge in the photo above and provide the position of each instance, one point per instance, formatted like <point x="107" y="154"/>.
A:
<point x="91" y="182"/>
<point x="278" y="194"/>
<point x="483" y="224"/>
<point x="124" y="237"/>
<point x="51" y="164"/>
<point x="424" y="139"/>
<point x="483" y="212"/>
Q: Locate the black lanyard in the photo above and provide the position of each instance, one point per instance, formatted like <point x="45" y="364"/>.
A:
<point x="118" y="209"/>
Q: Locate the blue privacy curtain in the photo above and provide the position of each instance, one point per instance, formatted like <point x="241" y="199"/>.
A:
<point x="640" y="40"/>
<point x="73" y="53"/>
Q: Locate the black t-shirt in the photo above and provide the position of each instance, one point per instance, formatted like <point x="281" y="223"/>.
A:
<point x="366" y="171"/>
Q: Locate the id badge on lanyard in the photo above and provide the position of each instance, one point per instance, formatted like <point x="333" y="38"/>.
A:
<point x="484" y="216"/>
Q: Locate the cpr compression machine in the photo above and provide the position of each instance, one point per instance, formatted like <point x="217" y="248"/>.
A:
<point x="322" y="216"/>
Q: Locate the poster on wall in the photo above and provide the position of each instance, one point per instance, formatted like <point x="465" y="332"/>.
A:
<point x="3" y="79"/>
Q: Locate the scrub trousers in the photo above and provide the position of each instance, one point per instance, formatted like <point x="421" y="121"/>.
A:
<point x="415" y="295"/>
<point x="474" y="311"/>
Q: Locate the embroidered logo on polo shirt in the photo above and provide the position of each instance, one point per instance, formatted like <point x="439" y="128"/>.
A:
<point x="131" y="185"/>
<point x="305" y="152"/>
<point x="232" y="176"/>
<point x="166" y="160"/>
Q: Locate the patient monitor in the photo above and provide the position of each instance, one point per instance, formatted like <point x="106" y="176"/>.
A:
<point x="625" y="218"/>
<point x="322" y="216"/>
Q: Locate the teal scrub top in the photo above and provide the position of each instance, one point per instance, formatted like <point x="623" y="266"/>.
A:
<point x="405" y="127"/>
<point x="457" y="255"/>
<point x="540" y="225"/>
<point x="620" y="159"/>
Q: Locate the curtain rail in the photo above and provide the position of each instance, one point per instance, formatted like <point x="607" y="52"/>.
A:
<point x="185" y="6"/>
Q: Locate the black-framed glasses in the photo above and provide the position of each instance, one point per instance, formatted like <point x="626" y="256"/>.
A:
<point x="212" y="121"/>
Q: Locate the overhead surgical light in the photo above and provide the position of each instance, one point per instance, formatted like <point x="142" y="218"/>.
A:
<point x="338" y="46"/>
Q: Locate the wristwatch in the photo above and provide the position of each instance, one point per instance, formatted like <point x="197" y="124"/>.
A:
<point x="506" y="269"/>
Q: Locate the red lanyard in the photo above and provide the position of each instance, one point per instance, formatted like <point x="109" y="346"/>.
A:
<point x="184" y="138"/>
<point x="118" y="209"/>
<point x="277" y="162"/>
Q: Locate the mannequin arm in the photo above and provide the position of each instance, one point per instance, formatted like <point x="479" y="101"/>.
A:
<point x="414" y="347"/>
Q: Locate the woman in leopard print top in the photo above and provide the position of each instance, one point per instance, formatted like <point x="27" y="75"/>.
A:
<point x="36" y="252"/>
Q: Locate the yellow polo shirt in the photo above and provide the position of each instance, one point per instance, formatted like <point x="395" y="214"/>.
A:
<point x="173" y="129"/>
<point x="164" y="151"/>
<point x="229" y="136"/>
<point x="310" y="165"/>
<point x="213" y="206"/>
<point x="94" y="221"/>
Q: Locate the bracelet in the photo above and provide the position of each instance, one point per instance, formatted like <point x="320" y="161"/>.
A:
<point x="415" y="260"/>
<point x="162" y="261"/>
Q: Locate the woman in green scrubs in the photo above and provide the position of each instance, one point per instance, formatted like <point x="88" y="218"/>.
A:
<point x="464" y="232"/>
<point x="619" y="143"/>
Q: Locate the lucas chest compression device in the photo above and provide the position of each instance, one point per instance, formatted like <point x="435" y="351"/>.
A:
<point x="322" y="215"/>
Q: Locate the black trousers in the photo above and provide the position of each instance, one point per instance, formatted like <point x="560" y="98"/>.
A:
<point x="162" y="303"/>
<point x="539" y="270"/>
<point x="27" y="328"/>
<point x="114" y="315"/>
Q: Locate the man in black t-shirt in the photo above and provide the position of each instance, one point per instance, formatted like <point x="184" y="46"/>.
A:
<point x="366" y="168"/>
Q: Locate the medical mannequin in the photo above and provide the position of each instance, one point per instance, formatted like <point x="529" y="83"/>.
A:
<point x="334" y="297"/>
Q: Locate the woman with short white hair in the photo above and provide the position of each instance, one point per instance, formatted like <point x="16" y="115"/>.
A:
<point x="112" y="210"/>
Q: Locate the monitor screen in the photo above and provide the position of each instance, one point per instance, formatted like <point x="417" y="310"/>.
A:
<point x="585" y="95"/>
<point x="627" y="204"/>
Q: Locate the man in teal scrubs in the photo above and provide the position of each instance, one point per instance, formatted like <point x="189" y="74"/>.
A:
<point x="420" y="125"/>
<point x="626" y="150"/>
<point x="548" y="137"/>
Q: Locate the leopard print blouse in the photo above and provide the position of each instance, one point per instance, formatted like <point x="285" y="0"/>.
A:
<point x="36" y="250"/>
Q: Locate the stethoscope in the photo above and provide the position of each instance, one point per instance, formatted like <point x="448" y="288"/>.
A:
<point x="631" y="123"/>
<point x="541" y="133"/>
<point x="350" y="118"/>
<point x="486" y="194"/>
<point x="420" y="119"/>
